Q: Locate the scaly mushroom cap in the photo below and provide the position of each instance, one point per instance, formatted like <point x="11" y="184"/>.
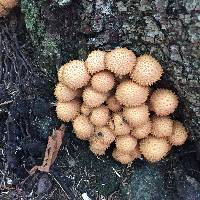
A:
<point x="147" y="70"/>
<point x="75" y="74"/>
<point x="103" y="81"/>
<point x="98" y="147"/>
<point x="130" y="94"/>
<point x="64" y="94"/>
<point x="104" y="134"/>
<point x="60" y="73"/>
<point x="179" y="134"/>
<point x="95" y="61"/>
<point x="86" y="110"/>
<point x="120" y="126"/>
<point x="93" y="98"/>
<point x="3" y="12"/>
<point x="120" y="61"/>
<point x="161" y="126"/>
<point x="154" y="149"/>
<point x="113" y="104"/>
<point x="123" y="158"/>
<point x="142" y="131"/>
<point x="163" y="102"/>
<point x="83" y="128"/>
<point x="8" y="4"/>
<point x="100" y="116"/>
<point x="125" y="143"/>
<point x="68" y="111"/>
<point x="136" y="116"/>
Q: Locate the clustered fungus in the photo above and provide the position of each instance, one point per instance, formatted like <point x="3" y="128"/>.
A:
<point x="108" y="99"/>
<point x="6" y="6"/>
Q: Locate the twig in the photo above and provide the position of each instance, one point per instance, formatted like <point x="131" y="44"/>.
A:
<point x="6" y="103"/>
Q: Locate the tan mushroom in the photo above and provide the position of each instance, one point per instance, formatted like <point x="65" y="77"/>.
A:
<point x="147" y="70"/>
<point x="120" y="61"/>
<point x="154" y="149"/>
<point x="83" y="128"/>
<point x="68" y="111"/>
<point x="131" y="94"/>
<point x="163" y="102"/>
<point x="75" y="74"/>
<point x="179" y="134"/>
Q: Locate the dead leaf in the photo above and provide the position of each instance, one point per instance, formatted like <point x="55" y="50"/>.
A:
<point x="52" y="149"/>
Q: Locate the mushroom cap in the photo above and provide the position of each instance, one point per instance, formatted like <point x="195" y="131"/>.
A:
<point x="93" y="98"/>
<point x="64" y="93"/>
<point x="147" y="70"/>
<point x="120" y="61"/>
<point x="136" y="116"/>
<point x="60" y="73"/>
<point x="100" y="116"/>
<point x="162" y="126"/>
<point x="83" y="128"/>
<point x="163" y="102"/>
<point x="123" y="158"/>
<point x="75" y="74"/>
<point x="179" y="134"/>
<point x="103" y="81"/>
<point x="125" y="143"/>
<point x="130" y="94"/>
<point x="104" y="134"/>
<point x="113" y="104"/>
<point x="142" y="131"/>
<point x="95" y="61"/>
<point x="86" y="110"/>
<point x="154" y="149"/>
<point x="3" y="12"/>
<point x="120" y="126"/>
<point x="68" y="111"/>
<point x="8" y="4"/>
<point x="97" y="146"/>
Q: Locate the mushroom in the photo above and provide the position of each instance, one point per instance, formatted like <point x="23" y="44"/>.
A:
<point x="120" y="61"/>
<point x="154" y="149"/>
<point x="104" y="134"/>
<point x="98" y="147"/>
<point x="64" y="93"/>
<point x="136" y="116"/>
<point x="83" y="128"/>
<point x="120" y="127"/>
<point x="100" y="116"/>
<point x="142" y="131"/>
<point x="126" y="158"/>
<point x="179" y="134"/>
<point x="113" y="104"/>
<point x="86" y="110"/>
<point x="95" y="61"/>
<point x="163" y="102"/>
<point x="75" y="74"/>
<point x="162" y="126"/>
<point x="68" y="111"/>
<point x="6" y="5"/>
<point x="125" y="143"/>
<point x="60" y="73"/>
<point x="103" y="81"/>
<point x="147" y="70"/>
<point x="93" y="98"/>
<point x="3" y="12"/>
<point x="131" y="94"/>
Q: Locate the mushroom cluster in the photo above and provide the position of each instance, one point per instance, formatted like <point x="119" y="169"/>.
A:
<point x="108" y="99"/>
<point x="6" y="6"/>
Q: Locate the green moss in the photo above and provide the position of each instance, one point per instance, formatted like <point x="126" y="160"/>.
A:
<point x="47" y="50"/>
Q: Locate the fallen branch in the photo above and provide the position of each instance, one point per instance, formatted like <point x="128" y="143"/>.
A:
<point x="53" y="146"/>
